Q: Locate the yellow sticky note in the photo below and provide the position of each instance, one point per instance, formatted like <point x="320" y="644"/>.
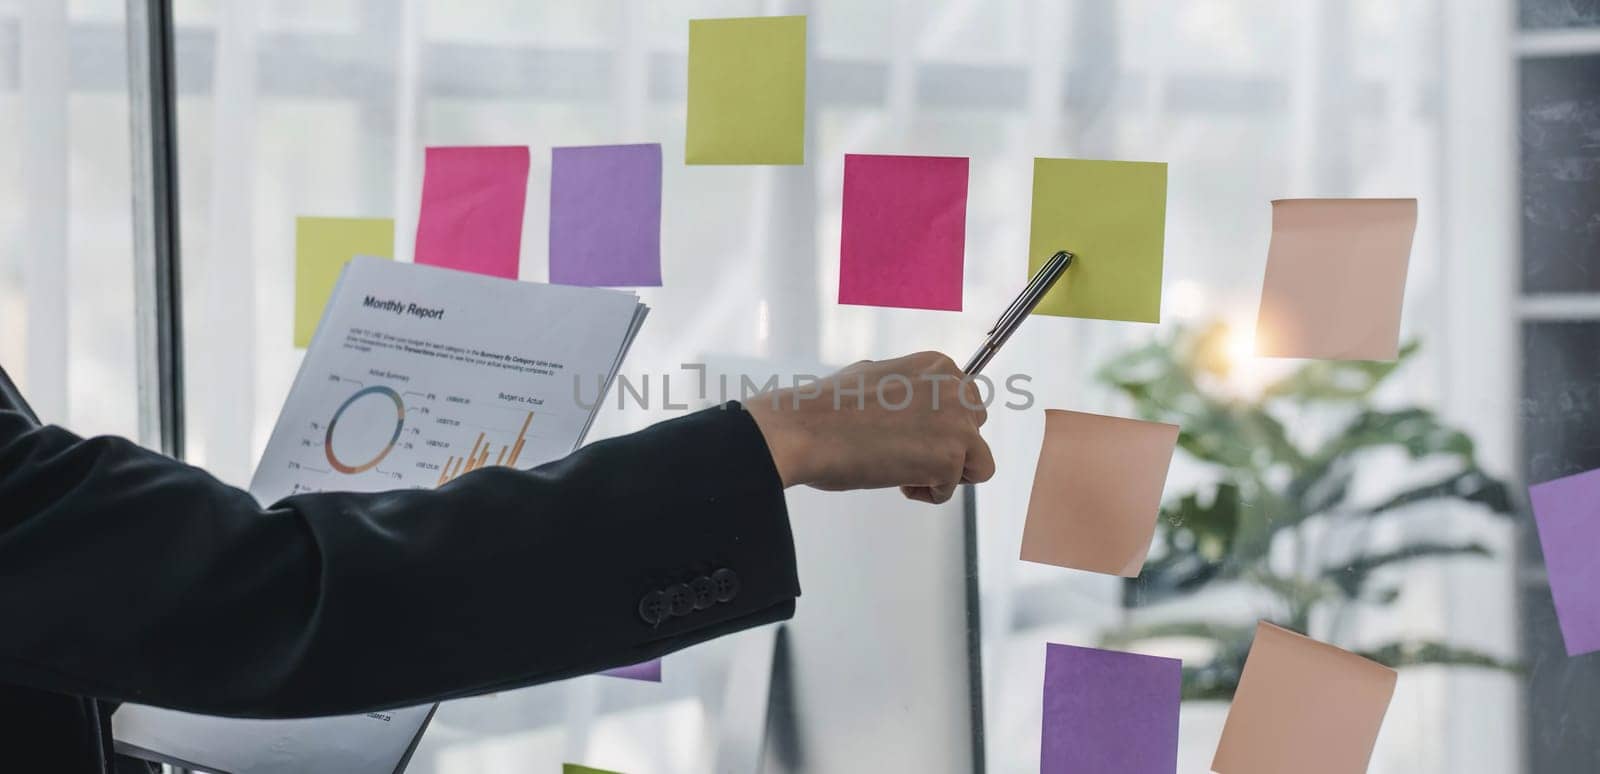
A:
<point x="747" y="91"/>
<point x="322" y="246"/>
<point x="573" y="768"/>
<point x="1112" y="216"/>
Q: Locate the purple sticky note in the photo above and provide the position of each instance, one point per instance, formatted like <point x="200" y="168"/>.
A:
<point x="472" y="201"/>
<point x="649" y="671"/>
<point x="605" y="215"/>
<point x="1106" y="711"/>
<point x="1567" y="513"/>
<point x="904" y="233"/>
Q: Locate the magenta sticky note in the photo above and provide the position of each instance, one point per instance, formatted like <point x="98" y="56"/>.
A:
<point x="1567" y="514"/>
<point x="472" y="199"/>
<point x="605" y="215"/>
<point x="904" y="231"/>
<point x="649" y="671"/>
<point x="1107" y="711"/>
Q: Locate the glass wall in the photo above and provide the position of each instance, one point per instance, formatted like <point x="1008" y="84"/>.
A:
<point x="323" y="107"/>
<point x="66" y="228"/>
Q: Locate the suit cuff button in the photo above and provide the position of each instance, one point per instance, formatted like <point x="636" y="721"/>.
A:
<point x="653" y="607"/>
<point x="705" y="592"/>
<point x="727" y="584"/>
<point x="680" y="600"/>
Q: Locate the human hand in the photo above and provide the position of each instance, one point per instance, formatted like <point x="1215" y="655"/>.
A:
<point x="910" y="422"/>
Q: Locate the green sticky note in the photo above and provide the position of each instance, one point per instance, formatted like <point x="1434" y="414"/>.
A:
<point x="747" y="91"/>
<point x="573" y="768"/>
<point x="322" y="246"/>
<point x="1112" y="216"/>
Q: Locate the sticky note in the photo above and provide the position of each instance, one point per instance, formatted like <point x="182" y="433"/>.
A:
<point x="1106" y="711"/>
<point x="322" y="246"/>
<point x="472" y="201"/>
<point x="1566" y="512"/>
<point x="1112" y="217"/>
<point x="1336" y="276"/>
<point x="1097" y="492"/>
<point x="649" y="671"/>
<point x="605" y="215"/>
<point x="747" y="91"/>
<point x="1303" y="706"/>
<point x="573" y="768"/>
<point x="903" y="236"/>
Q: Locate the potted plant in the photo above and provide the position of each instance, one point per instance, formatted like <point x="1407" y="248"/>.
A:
<point x="1274" y="491"/>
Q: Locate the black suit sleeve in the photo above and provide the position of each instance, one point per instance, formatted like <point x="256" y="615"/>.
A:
<point x="131" y="577"/>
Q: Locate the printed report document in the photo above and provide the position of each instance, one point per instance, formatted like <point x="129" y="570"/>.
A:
<point x="416" y="375"/>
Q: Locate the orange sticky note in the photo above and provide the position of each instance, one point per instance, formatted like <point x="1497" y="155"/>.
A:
<point x="1097" y="492"/>
<point x="1303" y="706"/>
<point x="1336" y="277"/>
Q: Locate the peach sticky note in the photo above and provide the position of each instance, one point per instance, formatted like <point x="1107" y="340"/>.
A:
<point x="472" y="200"/>
<point x="1097" y="492"/>
<point x="1336" y="277"/>
<point x="902" y="241"/>
<point x="1303" y="706"/>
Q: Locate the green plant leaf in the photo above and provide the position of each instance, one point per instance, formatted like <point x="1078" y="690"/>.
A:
<point x="1416" y="430"/>
<point x="1218" y="678"/>
<point x="1222" y="635"/>
<point x="1352" y="577"/>
<point x="1298" y="594"/>
<point x="1214" y="680"/>
<point x="1171" y="576"/>
<point x="1198" y="536"/>
<point x="1326" y="492"/>
<point x="1425" y="652"/>
<point x="1471" y="485"/>
<point x="1337" y="381"/>
<point x="1265" y="432"/>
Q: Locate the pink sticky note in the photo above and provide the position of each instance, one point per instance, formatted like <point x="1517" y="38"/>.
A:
<point x="903" y="240"/>
<point x="472" y="202"/>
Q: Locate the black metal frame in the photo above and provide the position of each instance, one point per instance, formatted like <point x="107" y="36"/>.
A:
<point x="969" y="517"/>
<point x="159" y="296"/>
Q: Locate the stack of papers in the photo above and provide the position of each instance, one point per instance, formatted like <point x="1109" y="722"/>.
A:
<point x="417" y="375"/>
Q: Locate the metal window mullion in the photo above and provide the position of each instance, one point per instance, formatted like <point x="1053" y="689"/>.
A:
<point x="157" y="280"/>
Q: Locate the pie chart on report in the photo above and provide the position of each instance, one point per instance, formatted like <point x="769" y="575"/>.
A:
<point x="364" y="429"/>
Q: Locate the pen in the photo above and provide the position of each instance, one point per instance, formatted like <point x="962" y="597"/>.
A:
<point x="1012" y="317"/>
